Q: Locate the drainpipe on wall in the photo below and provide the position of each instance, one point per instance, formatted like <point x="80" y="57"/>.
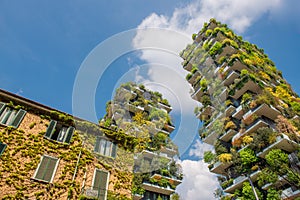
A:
<point x="76" y="168"/>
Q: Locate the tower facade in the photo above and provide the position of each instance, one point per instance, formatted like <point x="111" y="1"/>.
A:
<point x="144" y="115"/>
<point x="250" y="115"/>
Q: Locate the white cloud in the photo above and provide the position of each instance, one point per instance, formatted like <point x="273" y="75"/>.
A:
<point x="239" y="15"/>
<point x="198" y="182"/>
<point x="199" y="148"/>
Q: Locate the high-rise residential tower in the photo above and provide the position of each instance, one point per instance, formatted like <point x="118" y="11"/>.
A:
<point x="249" y="113"/>
<point x="144" y="115"/>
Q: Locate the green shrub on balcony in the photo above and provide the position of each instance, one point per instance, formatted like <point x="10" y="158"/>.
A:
<point x="266" y="176"/>
<point x="203" y="83"/>
<point x="209" y="156"/>
<point x="248" y="157"/>
<point x="247" y="192"/>
<point x="230" y="42"/>
<point x="227" y="183"/>
<point x="273" y="194"/>
<point x="188" y="76"/>
<point x="220" y="148"/>
<point x="208" y="32"/>
<point x="194" y="36"/>
<point x="215" y="49"/>
<point x="205" y="100"/>
<point x="194" y="70"/>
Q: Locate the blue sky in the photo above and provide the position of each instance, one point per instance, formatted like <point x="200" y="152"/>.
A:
<point x="44" y="43"/>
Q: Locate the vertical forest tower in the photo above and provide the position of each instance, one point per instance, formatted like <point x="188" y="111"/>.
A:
<point x="249" y="113"/>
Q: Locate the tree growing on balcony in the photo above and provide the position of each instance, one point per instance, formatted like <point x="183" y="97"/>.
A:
<point x="248" y="158"/>
<point x="273" y="194"/>
<point x="278" y="162"/>
<point x="247" y="192"/>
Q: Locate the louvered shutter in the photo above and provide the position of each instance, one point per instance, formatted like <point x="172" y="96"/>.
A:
<point x="100" y="183"/>
<point x="2" y="148"/>
<point x="18" y="118"/>
<point x="2" y="106"/>
<point x="50" y="129"/>
<point x="114" y="150"/>
<point x="41" y="168"/>
<point x="5" y="115"/>
<point x="51" y="165"/>
<point x="96" y="149"/>
<point x="46" y="168"/>
<point x="70" y="133"/>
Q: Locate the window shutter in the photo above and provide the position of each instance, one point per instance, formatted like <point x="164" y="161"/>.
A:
<point x="42" y="167"/>
<point x="2" y="106"/>
<point x="46" y="168"/>
<point x="51" y="165"/>
<point x="70" y="133"/>
<point x="114" y="150"/>
<point x="5" y="115"/>
<point x="100" y="183"/>
<point x="50" y="129"/>
<point x="18" y="118"/>
<point x="96" y="149"/>
<point x="2" y="148"/>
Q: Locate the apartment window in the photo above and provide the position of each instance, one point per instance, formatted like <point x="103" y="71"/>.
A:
<point x="46" y="169"/>
<point x="2" y="148"/>
<point x="100" y="183"/>
<point x="59" y="132"/>
<point x="10" y="116"/>
<point x="105" y="147"/>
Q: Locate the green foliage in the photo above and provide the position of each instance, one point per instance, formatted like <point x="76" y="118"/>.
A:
<point x="262" y="138"/>
<point x="157" y="114"/>
<point x="266" y="176"/>
<point x="209" y="156"/>
<point x="188" y="76"/>
<point x="165" y="102"/>
<point x="215" y="49"/>
<point x="194" y="36"/>
<point x="203" y="83"/>
<point x="68" y="119"/>
<point x="244" y="72"/>
<point x="220" y="148"/>
<point x="248" y="157"/>
<point x="295" y="106"/>
<point x="107" y="123"/>
<point x="247" y="192"/>
<point x="246" y="97"/>
<point x="32" y="125"/>
<point x="205" y="100"/>
<point x="128" y="142"/>
<point x="208" y="32"/>
<point x="230" y="42"/>
<point x="175" y="196"/>
<point x="227" y="183"/>
<point x="276" y="158"/>
<point x="273" y="194"/>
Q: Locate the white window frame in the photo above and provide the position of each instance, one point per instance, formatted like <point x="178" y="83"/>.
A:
<point x="13" y="115"/>
<point x="107" y="181"/>
<point x="65" y="133"/>
<point x="106" y="147"/>
<point x="54" y="171"/>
